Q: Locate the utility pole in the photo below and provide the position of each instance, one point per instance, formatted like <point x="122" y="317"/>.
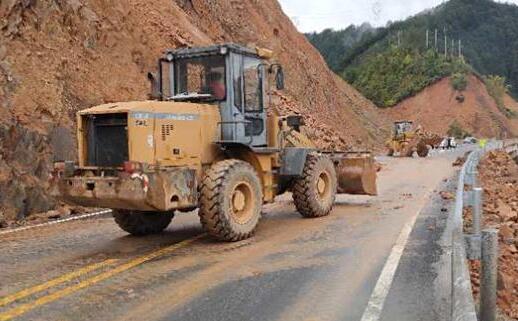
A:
<point x="445" y="43"/>
<point x="427" y="38"/>
<point x="436" y="34"/>
<point x="460" y="48"/>
<point x="399" y="38"/>
<point x="452" y="47"/>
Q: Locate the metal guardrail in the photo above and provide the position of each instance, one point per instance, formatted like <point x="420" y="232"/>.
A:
<point x="478" y="245"/>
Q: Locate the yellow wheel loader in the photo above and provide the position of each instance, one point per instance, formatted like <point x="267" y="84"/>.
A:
<point x="208" y="140"/>
<point x="408" y="139"/>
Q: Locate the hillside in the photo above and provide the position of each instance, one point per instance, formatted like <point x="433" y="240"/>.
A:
<point x="57" y="57"/>
<point x="438" y="108"/>
<point x="333" y="44"/>
<point x="398" y="73"/>
<point x="488" y="30"/>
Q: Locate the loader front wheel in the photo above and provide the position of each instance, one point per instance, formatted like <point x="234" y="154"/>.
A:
<point x="422" y="150"/>
<point x="231" y="200"/>
<point x="314" y="193"/>
<point x="142" y="223"/>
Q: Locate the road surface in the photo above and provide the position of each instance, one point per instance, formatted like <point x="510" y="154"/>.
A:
<point x="330" y="268"/>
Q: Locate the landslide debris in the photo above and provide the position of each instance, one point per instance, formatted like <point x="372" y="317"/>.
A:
<point x="61" y="56"/>
<point x="439" y="109"/>
<point x="499" y="178"/>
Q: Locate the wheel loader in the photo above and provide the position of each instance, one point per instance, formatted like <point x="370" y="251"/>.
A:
<point x="407" y="139"/>
<point x="208" y="139"/>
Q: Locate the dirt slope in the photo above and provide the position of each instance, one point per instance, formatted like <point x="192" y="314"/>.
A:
<point x="499" y="174"/>
<point x="60" y="56"/>
<point x="437" y="107"/>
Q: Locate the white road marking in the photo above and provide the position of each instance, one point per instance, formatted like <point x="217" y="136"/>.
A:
<point x="381" y="290"/>
<point x="75" y="218"/>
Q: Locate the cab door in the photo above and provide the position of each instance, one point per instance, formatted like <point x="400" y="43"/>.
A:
<point x="248" y="84"/>
<point x="254" y="93"/>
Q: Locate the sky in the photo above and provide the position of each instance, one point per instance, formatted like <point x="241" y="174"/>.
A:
<point x="317" y="15"/>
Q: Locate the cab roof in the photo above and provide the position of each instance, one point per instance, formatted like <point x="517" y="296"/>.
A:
<point x="216" y="49"/>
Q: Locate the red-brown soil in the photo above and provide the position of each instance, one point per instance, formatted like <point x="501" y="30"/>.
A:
<point x="437" y="107"/>
<point x="60" y="56"/>
<point x="499" y="177"/>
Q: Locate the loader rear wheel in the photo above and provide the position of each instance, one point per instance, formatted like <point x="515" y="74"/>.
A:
<point x="314" y="193"/>
<point x="408" y="151"/>
<point x="142" y="223"/>
<point x="231" y="200"/>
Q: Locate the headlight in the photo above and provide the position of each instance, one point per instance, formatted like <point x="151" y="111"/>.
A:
<point x="169" y="56"/>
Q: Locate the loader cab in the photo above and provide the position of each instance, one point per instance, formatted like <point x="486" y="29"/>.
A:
<point x="401" y="128"/>
<point x="231" y="77"/>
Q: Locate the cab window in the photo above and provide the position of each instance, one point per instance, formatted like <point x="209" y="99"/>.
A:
<point x="252" y="85"/>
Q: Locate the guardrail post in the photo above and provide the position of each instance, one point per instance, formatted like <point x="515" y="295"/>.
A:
<point x="472" y="171"/>
<point x="477" y="210"/>
<point x="474" y="178"/>
<point x="488" y="275"/>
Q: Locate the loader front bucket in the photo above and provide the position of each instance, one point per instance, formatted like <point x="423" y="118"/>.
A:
<point x="357" y="173"/>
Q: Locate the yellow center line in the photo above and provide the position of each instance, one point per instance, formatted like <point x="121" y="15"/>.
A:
<point x="24" y="308"/>
<point x="62" y="279"/>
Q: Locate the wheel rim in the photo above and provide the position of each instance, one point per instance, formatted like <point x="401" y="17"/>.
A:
<point x="324" y="185"/>
<point x="242" y="203"/>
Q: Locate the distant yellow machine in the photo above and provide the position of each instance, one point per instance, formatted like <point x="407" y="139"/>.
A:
<point x="408" y="139"/>
<point x="206" y="142"/>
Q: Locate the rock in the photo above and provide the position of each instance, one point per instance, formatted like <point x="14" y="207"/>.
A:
<point x="62" y="143"/>
<point x="55" y="214"/>
<point x="89" y="15"/>
<point x="505" y="211"/>
<point x="507" y="233"/>
<point x="3" y="221"/>
<point x="74" y="5"/>
<point x="64" y="211"/>
<point x="3" y="52"/>
<point x="446" y="195"/>
<point x="459" y="161"/>
<point x="505" y="282"/>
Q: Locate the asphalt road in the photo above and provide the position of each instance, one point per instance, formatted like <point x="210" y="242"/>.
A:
<point x="293" y="269"/>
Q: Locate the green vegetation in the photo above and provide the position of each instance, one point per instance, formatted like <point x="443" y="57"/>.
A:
<point x="459" y="81"/>
<point x="457" y="131"/>
<point x="333" y="44"/>
<point x="388" y="77"/>
<point x="497" y="88"/>
<point x="489" y="34"/>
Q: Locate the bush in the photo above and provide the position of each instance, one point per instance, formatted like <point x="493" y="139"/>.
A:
<point x="497" y="88"/>
<point x="457" y="131"/>
<point x="389" y="77"/>
<point x="459" y="81"/>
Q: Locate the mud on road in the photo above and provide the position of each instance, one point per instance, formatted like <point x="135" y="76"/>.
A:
<point x="293" y="269"/>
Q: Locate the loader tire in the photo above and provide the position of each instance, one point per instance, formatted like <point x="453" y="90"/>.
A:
<point x="142" y="223"/>
<point x="231" y="200"/>
<point x="408" y="151"/>
<point x="314" y="193"/>
<point x="422" y="150"/>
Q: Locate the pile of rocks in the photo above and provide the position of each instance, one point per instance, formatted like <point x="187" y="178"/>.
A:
<point x="324" y="136"/>
<point x="499" y="178"/>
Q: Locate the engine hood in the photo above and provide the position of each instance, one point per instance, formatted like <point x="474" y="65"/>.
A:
<point x="150" y="106"/>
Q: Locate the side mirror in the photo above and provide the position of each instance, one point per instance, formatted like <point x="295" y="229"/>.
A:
<point x="279" y="78"/>
<point x="155" y="87"/>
